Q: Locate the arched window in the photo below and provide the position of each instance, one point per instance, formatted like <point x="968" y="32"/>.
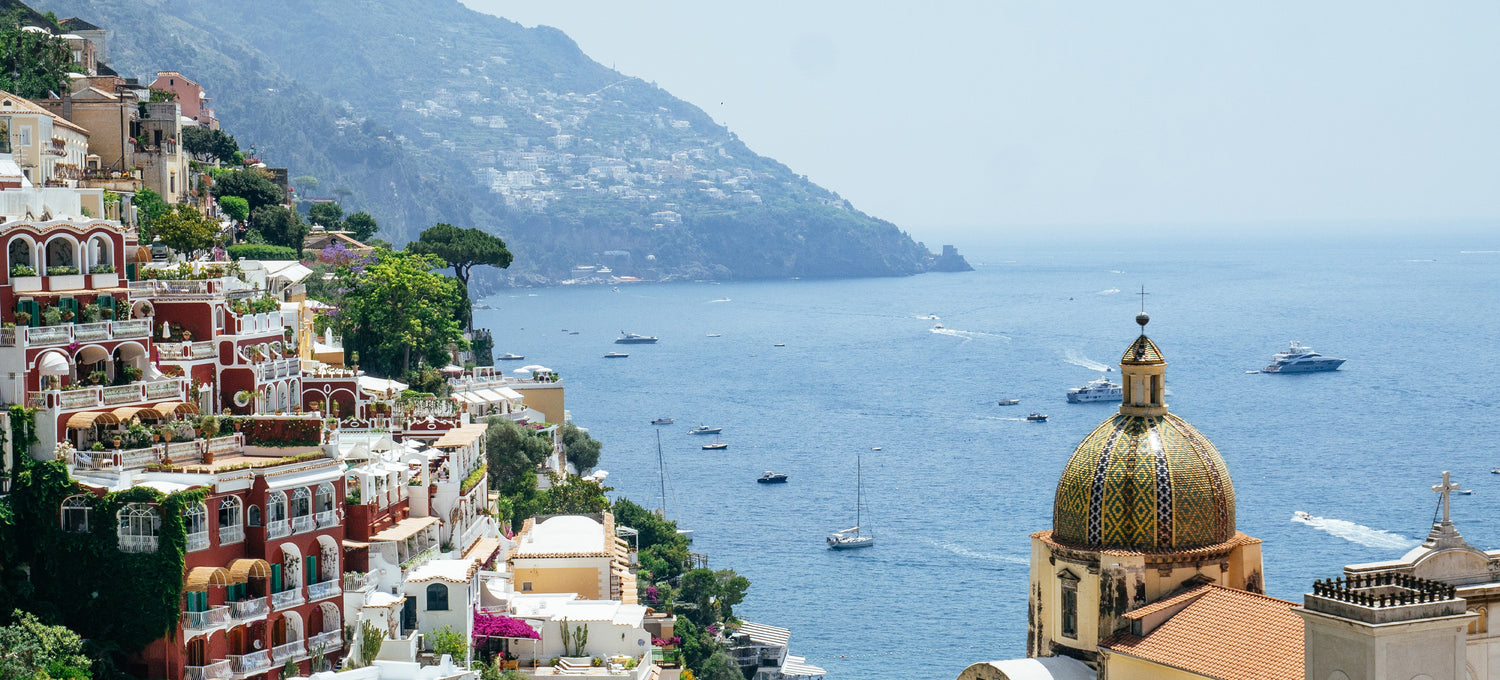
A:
<point x="230" y="510"/>
<point x="195" y="525"/>
<point x="1069" y="603"/>
<point x="437" y="598"/>
<point x="99" y="251"/>
<point x="254" y="516"/>
<point x="75" y="514"/>
<point x="325" y="498"/>
<point x="301" y="502"/>
<point x="20" y="253"/>
<point x="276" y="507"/>
<point x="61" y="252"/>
<point x="139" y="528"/>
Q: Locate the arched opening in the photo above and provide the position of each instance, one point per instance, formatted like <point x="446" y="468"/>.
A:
<point x="197" y="651"/>
<point x="139" y="527"/>
<point x="323" y="505"/>
<point x="101" y="254"/>
<point x="22" y="254"/>
<point x="328" y="559"/>
<point x="291" y="567"/>
<point x="287" y="629"/>
<point x="129" y="364"/>
<point x="329" y="619"/>
<point x="93" y="365"/>
<point x="437" y="597"/>
<point x="75" y="514"/>
<point x="142" y="309"/>
<point x="62" y="256"/>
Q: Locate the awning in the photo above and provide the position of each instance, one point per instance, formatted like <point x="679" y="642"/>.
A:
<point x="490" y="396"/>
<point x="469" y="397"/>
<point x="304" y="478"/>
<point x="510" y="394"/>
<point x="404" y="529"/>
<point x="200" y="578"/>
<point x="379" y="386"/>
<point x="178" y="407"/>
<point x="797" y="667"/>
<point x="88" y="418"/>
<point x="355" y="545"/>
<point x="241" y="570"/>
<point x="125" y="413"/>
<point x="761" y="634"/>
<point x="460" y="436"/>
<point x="53" y="363"/>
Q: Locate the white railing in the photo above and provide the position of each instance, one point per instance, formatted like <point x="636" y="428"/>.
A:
<point x="287" y="598"/>
<point x="229" y="444"/>
<point x="420" y="558"/>
<point x="215" y="617"/>
<point x="180" y="452"/>
<point x="91" y="332"/>
<point x="277" y="528"/>
<point x="327" y="518"/>
<point x="71" y="399"/>
<point x="323" y="591"/>
<point x="164" y="389"/>
<point x="329" y="641"/>
<point x="290" y="650"/>
<point x="121" y="394"/>
<point x="213" y="671"/>
<point x="132" y="329"/>
<point x="53" y="336"/>
<point x="231" y="533"/>
<point x="185" y="351"/>
<point x="249" y="609"/>
<point x="303" y="524"/>
<point x="116" y="395"/>
<point x="357" y="580"/>
<point x="139" y="458"/>
<point x="476" y="529"/>
<point x="138" y="544"/>
<point x="198" y="541"/>
<point x="249" y="664"/>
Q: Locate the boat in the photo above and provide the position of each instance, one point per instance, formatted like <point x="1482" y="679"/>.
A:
<point x="704" y="429"/>
<point x="771" y="478"/>
<point x="633" y="339"/>
<point x="853" y="537"/>
<point x="615" y="355"/>
<point x="715" y="335"/>
<point x="1037" y="417"/>
<point x="1466" y="492"/>
<point x="716" y="445"/>
<point x="572" y="332"/>
<point x="1300" y="358"/>
<point x="662" y="421"/>
<point x="1009" y="402"/>
<point x="1301" y="515"/>
<point x="1495" y="471"/>
<point x="510" y="357"/>
<point x="780" y="344"/>
<point x="1097" y="390"/>
<point x="937" y="326"/>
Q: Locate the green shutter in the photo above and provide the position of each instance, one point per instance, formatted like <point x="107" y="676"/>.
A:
<point x="70" y="304"/>
<point x="275" y="578"/>
<point x="312" y="569"/>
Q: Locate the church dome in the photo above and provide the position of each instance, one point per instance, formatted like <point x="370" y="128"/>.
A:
<point x="1144" y="480"/>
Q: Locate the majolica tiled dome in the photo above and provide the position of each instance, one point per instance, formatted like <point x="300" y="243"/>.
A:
<point x="1144" y="480"/>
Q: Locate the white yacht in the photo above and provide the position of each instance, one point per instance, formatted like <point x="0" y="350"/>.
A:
<point x="1097" y="390"/>
<point x="1300" y="358"/>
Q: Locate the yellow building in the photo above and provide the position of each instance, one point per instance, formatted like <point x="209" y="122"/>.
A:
<point x="572" y="554"/>
<point x="49" y="150"/>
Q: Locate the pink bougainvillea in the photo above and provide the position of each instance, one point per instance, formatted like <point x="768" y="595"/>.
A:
<point x="501" y="626"/>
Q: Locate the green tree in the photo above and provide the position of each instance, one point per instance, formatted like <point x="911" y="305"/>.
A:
<point x="447" y="641"/>
<point x="32" y="64"/>
<point x="207" y="143"/>
<point x="280" y="226"/>
<point x="397" y="309"/>
<point x="305" y="184"/>
<point x="719" y="666"/>
<point x="160" y="95"/>
<point x="576" y="496"/>
<point x="512" y="451"/>
<point x="327" y="215"/>
<point x="186" y="230"/>
<point x="238" y="209"/>
<point x="712" y="594"/>
<point x="30" y="649"/>
<point x="363" y="226"/>
<point x="582" y="450"/>
<point x="250" y="184"/>
<point x="149" y="207"/>
<point x="462" y="249"/>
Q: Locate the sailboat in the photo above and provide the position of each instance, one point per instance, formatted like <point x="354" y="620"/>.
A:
<point x="853" y="537"/>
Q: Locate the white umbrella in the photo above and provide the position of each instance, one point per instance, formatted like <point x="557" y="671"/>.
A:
<point x="521" y="371"/>
<point x="535" y="367"/>
<point x="450" y="368"/>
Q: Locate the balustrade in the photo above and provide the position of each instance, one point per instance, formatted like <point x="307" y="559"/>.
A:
<point x="197" y="541"/>
<point x="213" y="671"/>
<point x="249" y="609"/>
<point x="327" y="518"/>
<point x="328" y="641"/>
<point x="138" y="544"/>
<point x="249" y="664"/>
<point x="290" y="650"/>
<point x="277" y="528"/>
<point x="122" y="394"/>
<point x="215" y="617"/>
<point x="287" y="598"/>
<point x="323" y="591"/>
<point x="303" y="524"/>
<point x="231" y="533"/>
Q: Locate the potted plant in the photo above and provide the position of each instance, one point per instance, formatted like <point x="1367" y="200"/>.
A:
<point x="22" y="270"/>
<point x="23" y="318"/>
<point x="67" y="314"/>
<point x="187" y="336"/>
<point x="88" y="313"/>
<point x="51" y="317"/>
<point x="116" y="441"/>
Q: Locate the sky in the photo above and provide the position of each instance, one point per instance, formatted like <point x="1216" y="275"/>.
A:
<point x="964" y="115"/>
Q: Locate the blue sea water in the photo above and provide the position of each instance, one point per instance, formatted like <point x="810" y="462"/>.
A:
<point x="959" y="483"/>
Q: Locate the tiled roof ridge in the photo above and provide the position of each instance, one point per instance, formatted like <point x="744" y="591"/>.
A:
<point x="1194" y="593"/>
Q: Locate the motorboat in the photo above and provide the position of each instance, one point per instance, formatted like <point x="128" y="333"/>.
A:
<point x="1097" y="390"/>
<point x="853" y="537"/>
<point x="1037" y="418"/>
<point x="1009" y="402"/>
<point x="704" y="429"/>
<point x="662" y="421"/>
<point x="634" y="339"/>
<point x="779" y="344"/>
<point x="510" y="357"/>
<point x="937" y="326"/>
<point x="615" y="355"/>
<point x="1301" y="515"/>
<point x="1466" y="492"/>
<point x="572" y="332"/>
<point x="1300" y="358"/>
<point x="716" y="445"/>
<point x="715" y="335"/>
<point x="771" y="478"/>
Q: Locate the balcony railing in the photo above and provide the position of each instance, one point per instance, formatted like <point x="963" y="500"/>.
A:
<point x="198" y="541"/>
<point x="286" y="598"/>
<point x="213" y="671"/>
<point x="323" y="591"/>
<point x="215" y="617"/>
<point x="329" y="641"/>
<point x="327" y="518"/>
<point x="303" y="524"/>
<point x="419" y="559"/>
<point x="357" y="580"/>
<point x="248" y="609"/>
<point x="138" y="544"/>
<point x="185" y="351"/>
<point x="249" y="664"/>
<point x="231" y="533"/>
<point x="117" y="395"/>
<point x="56" y="336"/>
<point x="278" y="528"/>
<point x="290" y="650"/>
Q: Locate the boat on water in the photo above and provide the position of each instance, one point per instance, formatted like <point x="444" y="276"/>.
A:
<point x="704" y="429"/>
<point x="855" y="536"/>
<point x="716" y="445"/>
<point x="662" y="421"/>
<point x="1009" y="402"/>
<point x="771" y="478"/>
<point x="615" y="355"/>
<point x="1037" y="418"/>
<point x="937" y="326"/>
<point x="1097" y="390"/>
<point x="780" y="344"/>
<point x="1301" y="515"/>
<point x="510" y="357"/>
<point x="572" y="332"/>
<point x="715" y="335"/>
<point x="1300" y="358"/>
<point x="634" y="339"/>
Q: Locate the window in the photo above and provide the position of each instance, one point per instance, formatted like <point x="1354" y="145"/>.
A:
<point x="195" y="520"/>
<point x="230" y="510"/>
<point x="301" y="502"/>
<point x="25" y="136"/>
<point x="139" y="527"/>
<point x="276" y="507"/>
<point x="1069" y="605"/>
<point x="526" y="586"/>
<point x="75" y="514"/>
<point x="437" y="598"/>
<point x="325" y="497"/>
<point x="254" y="515"/>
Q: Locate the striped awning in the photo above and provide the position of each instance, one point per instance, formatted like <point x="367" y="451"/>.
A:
<point x="241" y="570"/>
<point x="125" y="413"/>
<point x="761" y="634"/>
<point x="200" y="578"/>
<point x="797" y="667"/>
<point x="178" y="407"/>
<point x="87" y="418"/>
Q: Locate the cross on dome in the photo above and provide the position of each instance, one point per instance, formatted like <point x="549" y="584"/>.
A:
<point x="1443" y="490"/>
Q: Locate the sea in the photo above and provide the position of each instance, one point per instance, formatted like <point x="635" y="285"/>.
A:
<point x="819" y="378"/>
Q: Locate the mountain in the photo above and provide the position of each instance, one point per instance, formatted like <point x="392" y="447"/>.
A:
<point x="432" y="112"/>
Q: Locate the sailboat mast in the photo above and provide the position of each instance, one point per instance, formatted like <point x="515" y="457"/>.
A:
<point x="661" y="474"/>
<point x="859" y="483"/>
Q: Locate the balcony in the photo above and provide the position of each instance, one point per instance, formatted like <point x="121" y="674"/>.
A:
<point x="138" y="544"/>
<point x="323" y="591"/>
<point x="231" y="533"/>
<point x="197" y="541"/>
<point x="327" y="518"/>
<point x="172" y="389"/>
<point x="291" y="650"/>
<point x="327" y="642"/>
<point x="213" y="671"/>
<point x="356" y="580"/>
<point x="57" y="336"/>
<point x="246" y="610"/>
<point x="419" y="559"/>
<point x="243" y="665"/>
<point x="278" y="528"/>
<point x="303" y="524"/>
<point x="194" y="623"/>
<point x="278" y="368"/>
<point x="286" y="598"/>
<point x="186" y="351"/>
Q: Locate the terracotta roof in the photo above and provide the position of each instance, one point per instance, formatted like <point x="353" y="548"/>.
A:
<point x="1220" y="633"/>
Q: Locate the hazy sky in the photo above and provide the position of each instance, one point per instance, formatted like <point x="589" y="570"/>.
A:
<point x="958" y="114"/>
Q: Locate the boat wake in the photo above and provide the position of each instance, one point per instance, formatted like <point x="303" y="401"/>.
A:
<point x="992" y="558"/>
<point x="969" y="335"/>
<point x="1110" y="291"/>
<point x="1116" y="271"/>
<point x="1357" y="533"/>
<point x="720" y="300"/>
<point x="1077" y="359"/>
<point x="927" y="317"/>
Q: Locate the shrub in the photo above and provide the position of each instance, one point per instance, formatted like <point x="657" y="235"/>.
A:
<point x="250" y="251"/>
